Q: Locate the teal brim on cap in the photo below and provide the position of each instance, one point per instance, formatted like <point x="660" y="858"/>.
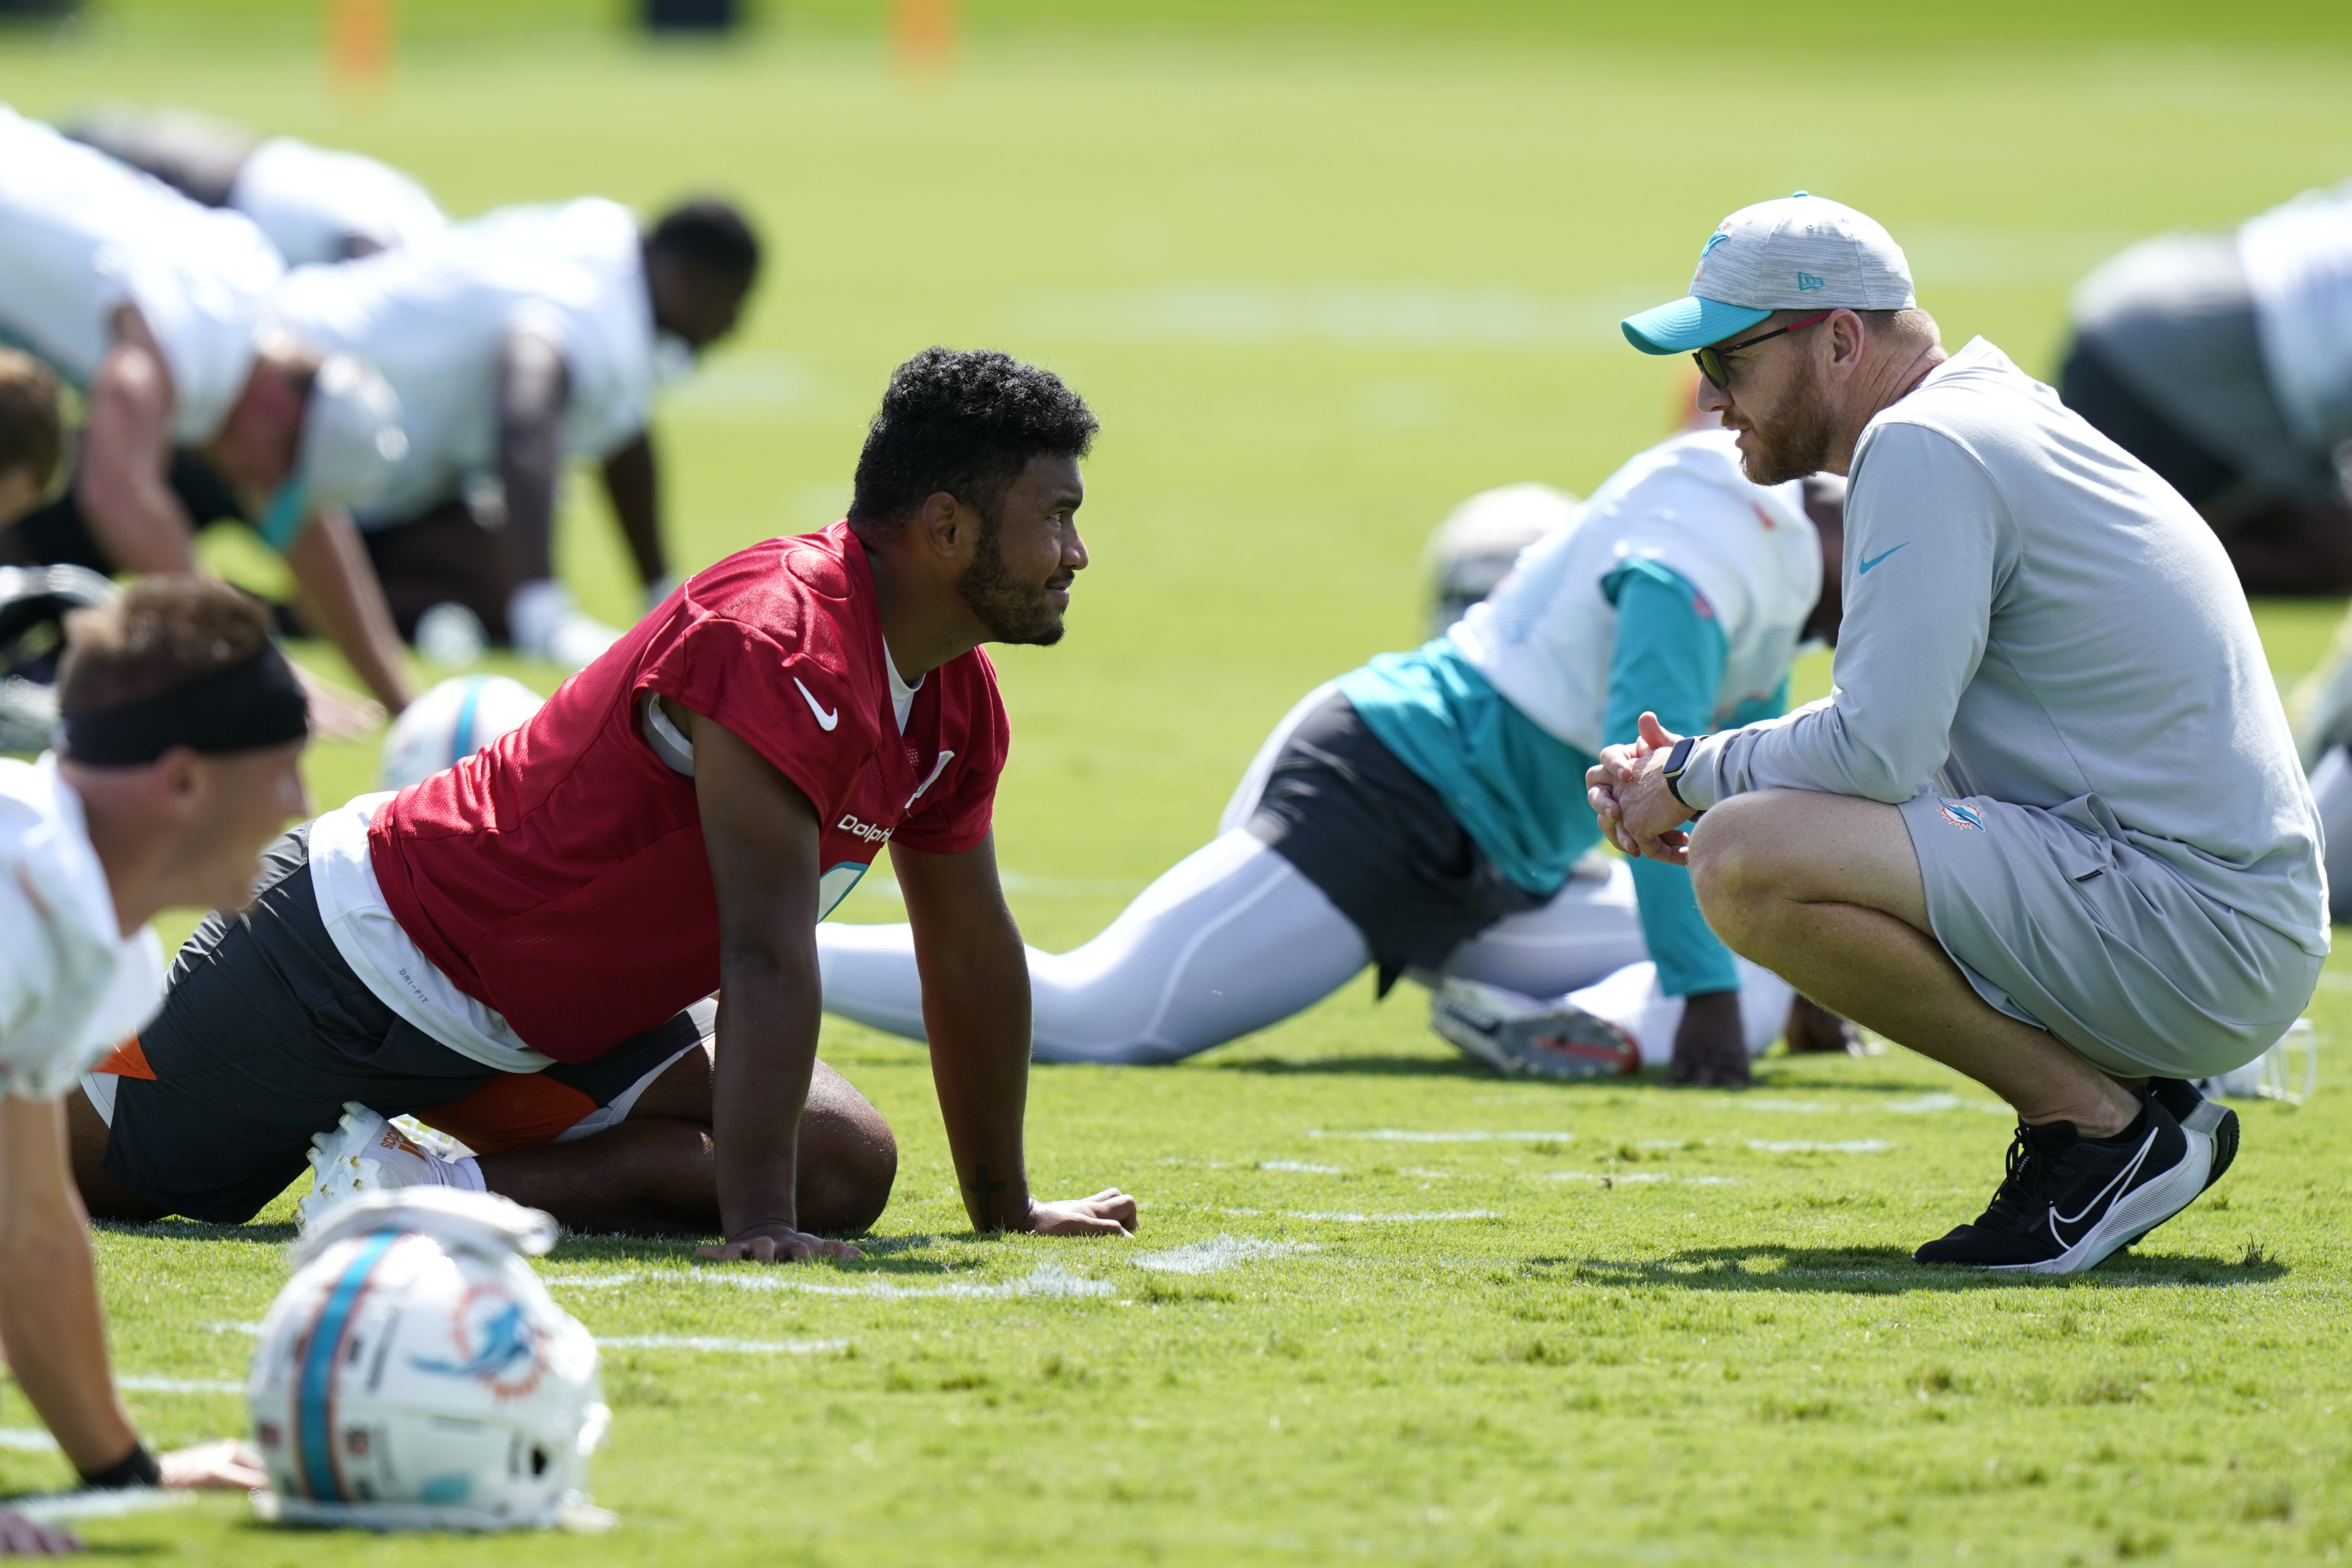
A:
<point x="1690" y="323"/>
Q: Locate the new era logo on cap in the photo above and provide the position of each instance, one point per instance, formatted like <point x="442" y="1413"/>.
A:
<point x="1800" y="251"/>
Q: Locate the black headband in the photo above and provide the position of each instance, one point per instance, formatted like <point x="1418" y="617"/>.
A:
<point x="242" y="709"/>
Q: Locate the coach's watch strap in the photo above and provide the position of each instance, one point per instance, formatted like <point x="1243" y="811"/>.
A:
<point x="1676" y="760"/>
<point x="135" y="1468"/>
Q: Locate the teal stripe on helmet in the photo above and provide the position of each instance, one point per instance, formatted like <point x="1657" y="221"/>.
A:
<point x="314" y="1439"/>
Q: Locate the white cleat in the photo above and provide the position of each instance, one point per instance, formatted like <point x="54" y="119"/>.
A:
<point x="1527" y="1038"/>
<point x="366" y="1153"/>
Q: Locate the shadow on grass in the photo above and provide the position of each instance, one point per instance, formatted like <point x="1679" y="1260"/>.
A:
<point x="1379" y="1067"/>
<point x="1885" y="1270"/>
<point x="196" y="1230"/>
<point x="93" y="1548"/>
<point x="887" y="1256"/>
<point x="1770" y="1083"/>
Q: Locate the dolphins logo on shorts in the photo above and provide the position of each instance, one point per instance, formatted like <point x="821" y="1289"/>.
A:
<point x="1960" y="814"/>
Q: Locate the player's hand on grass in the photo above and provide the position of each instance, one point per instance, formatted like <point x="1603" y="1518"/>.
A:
<point x="20" y="1537"/>
<point x="1108" y="1213"/>
<point x="1711" y="1043"/>
<point x="1812" y="1027"/>
<point x="228" y="1466"/>
<point x="775" y="1244"/>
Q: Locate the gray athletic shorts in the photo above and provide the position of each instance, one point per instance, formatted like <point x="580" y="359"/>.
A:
<point x="2103" y="946"/>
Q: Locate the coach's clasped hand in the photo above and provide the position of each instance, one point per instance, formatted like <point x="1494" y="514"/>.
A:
<point x="1628" y="790"/>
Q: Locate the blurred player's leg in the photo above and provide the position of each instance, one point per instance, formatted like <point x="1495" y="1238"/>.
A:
<point x="2331" y="791"/>
<point x="444" y="557"/>
<point x="1591" y="928"/>
<point x="1231" y="939"/>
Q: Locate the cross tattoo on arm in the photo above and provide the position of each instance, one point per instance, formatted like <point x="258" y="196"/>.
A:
<point x="983" y="1196"/>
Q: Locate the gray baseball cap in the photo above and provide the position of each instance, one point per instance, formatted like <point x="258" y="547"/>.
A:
<point x="1798" y="253"/>
<point x="351" y="437"/>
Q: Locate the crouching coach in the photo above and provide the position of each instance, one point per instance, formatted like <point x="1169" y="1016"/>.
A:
<point x="2049" y="827"/>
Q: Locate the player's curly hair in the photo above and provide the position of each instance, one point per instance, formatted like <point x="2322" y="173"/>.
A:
<point x="965" y="421"/>
<point x="711" y="233"/>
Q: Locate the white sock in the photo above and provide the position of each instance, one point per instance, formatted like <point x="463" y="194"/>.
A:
<point x="422" y="1164"/>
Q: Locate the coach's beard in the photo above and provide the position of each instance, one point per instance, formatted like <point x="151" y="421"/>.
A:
<point x="1013" y="611"/>
<point x="1794" y="447"/>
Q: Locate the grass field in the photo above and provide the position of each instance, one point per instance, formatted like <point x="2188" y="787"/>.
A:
<point x="1320" y="283"/>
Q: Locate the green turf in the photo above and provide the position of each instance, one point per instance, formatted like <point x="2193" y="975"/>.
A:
<point x="1320" y="285"/>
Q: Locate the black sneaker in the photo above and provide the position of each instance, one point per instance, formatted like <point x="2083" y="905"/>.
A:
<point x="2069" y="1201"/>
<point x="2199" y="1117"/>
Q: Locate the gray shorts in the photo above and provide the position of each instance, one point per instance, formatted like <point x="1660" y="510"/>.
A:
<point x="2101" y="945"/>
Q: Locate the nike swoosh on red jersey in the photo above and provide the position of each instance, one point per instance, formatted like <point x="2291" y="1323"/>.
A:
<point x="824" y="720"/>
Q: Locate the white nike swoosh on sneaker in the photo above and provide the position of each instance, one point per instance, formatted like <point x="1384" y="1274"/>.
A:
<point x="2099" y="1201"/>
<point x="824" y="720"/>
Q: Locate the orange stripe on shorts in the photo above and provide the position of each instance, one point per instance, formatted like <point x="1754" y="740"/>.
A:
<point x="128" y="1060"/>
<point x="513" y="1110"/>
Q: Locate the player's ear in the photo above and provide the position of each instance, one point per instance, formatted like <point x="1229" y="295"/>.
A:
<point x="180" y="784"/>
<point x="943" y="524"/>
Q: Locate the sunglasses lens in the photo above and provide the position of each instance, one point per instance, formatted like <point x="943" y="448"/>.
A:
<point x="1710" y="365"/>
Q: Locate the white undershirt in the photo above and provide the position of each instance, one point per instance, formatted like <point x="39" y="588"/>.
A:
<point x="902" y="696"/>
<point x="386" y="959"/>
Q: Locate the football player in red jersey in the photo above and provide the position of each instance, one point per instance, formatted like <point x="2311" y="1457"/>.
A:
<point x="517" y="949"/>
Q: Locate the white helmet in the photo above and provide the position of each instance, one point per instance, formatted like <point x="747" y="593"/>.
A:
<point x="451" y="722"/>
<point x="1476" y="545"/>
<point x="414" y="1373"/>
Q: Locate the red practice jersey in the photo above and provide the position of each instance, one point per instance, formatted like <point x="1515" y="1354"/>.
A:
<point x="560" y="876"/>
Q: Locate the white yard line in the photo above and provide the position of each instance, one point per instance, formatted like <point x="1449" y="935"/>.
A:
<point x="1217" y="1253"/>
<point x="57" y="1507"/>
<point x="1409" y="1135"/>
<point x="1347" y="1217"/>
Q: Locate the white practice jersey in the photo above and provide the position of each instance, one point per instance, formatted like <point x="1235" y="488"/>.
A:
<point x="434" y="316"/>
<point x="1543" y="636"/>
<point x="2298" y="260"/>
<point x="72" y="987"/>
<point x="313" y="202"/>
<point x="83" y="236"/>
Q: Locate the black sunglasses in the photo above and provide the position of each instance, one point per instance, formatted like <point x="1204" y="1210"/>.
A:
<point x="1710" y="360"/>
